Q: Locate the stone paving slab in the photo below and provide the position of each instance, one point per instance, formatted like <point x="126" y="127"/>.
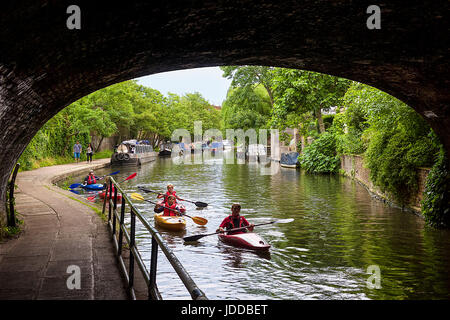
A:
<point x="58" y="232"/>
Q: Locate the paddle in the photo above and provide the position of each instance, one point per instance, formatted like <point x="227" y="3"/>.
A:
<point x="198" y="220"/>
<point x="76" y="185"/>
<point x="197" y="203"/>
<point x="199" y="236"/>
<point x="91" y="198"/>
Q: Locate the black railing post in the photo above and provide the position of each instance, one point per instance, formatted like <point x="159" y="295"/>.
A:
<point x="132" y="245"/>
<point x="121" y="223"/>
<point x="153" y="264"/>
<point x="105" y="199"/>
<point x="109" y="198"/>
<point x="11" y="220"/>
<point x="114" y="211"/>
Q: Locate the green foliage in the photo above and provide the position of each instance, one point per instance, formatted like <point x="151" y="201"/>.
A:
<point x="320" y="156"/>
<point x="436" y="200"/>
<point x="250" y="77"/>
<point x="304" y="92"/>
<point x="389" y="166"/>
<point x="328" y="120"/>
<point x="393" y="137"/>
<point x="351" y="142"/>
<point x="102" y="154"/>
<point x="249" y="99"/>
<point x="246" y="108"/>
<point x="182" y="112"/>
<point x="9" y="232"/>
<point x="126" y="109"/>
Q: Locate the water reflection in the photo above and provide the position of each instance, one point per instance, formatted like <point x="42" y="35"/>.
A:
<point x="338" y="231"/>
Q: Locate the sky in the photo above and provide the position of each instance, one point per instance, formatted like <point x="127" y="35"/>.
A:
<point x="207" y="81"/>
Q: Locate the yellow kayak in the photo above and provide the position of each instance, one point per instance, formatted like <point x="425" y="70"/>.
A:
<point x="170" y="223"/>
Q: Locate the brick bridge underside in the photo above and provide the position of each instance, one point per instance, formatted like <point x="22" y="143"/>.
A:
<point x="44" y="66"/>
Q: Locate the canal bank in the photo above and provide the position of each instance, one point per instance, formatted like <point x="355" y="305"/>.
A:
<point x="62" y="241"/>
<point x="353" y="167"/>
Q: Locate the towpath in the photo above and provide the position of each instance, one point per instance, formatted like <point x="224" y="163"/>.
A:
<point x="60" y="237"/>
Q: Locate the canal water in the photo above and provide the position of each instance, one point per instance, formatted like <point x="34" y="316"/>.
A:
<point x="338" y="235"/>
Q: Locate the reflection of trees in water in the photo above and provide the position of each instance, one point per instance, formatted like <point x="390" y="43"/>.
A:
<point x="339" y="230"/>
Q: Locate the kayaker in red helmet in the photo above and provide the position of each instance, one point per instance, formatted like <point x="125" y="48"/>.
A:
<point x="169" y="192"/>
<point x="235" y="220"/>
<point x="169" y="203"/>
<point x="91" y="178"/>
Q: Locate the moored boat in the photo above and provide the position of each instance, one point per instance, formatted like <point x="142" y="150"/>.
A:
<point x="292" y="166"/>
<point x="247" y="240"/>
<point x="133" y="152"/>
<point x="171" y="223"/>
<point x="289" y="160"/>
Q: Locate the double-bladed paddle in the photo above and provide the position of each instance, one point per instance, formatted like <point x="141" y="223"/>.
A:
<point x="199" y="236"/>
<point x="76" y="185"/>
<point x="197" y="203"/>
<point x="198" y="220"/>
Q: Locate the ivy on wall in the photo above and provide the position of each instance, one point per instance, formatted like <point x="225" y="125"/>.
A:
<point x="436" y="201"/>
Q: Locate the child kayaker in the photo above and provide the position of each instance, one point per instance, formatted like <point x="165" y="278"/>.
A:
<point x="235" y="220"/>
<point x="91" y="178"/>
<point x="171" y="204"/>
<point x="169" y="192"/>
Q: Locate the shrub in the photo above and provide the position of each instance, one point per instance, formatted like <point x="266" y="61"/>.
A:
<point x="350" y="143"/>
<point x="436" y="200"/>
<point x="320" y="156"/>
<point x="393" y="158"/>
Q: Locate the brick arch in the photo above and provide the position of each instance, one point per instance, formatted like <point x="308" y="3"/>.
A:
<point x="44" y="66"/>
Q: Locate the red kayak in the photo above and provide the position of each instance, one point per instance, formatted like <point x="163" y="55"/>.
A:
<point x="248" y="240"/>
<point x="102" y="195"/>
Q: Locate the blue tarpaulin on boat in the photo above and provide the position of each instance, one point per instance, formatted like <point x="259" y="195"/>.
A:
<point x="216" y="145"/>
<point x="289" y="158"/>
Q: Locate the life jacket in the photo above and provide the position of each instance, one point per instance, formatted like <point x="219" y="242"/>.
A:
<point x="168" y="212"/>
<point x="91" y="180"/>
<point x="173" y="194"/>
<point x="231" y="224"/>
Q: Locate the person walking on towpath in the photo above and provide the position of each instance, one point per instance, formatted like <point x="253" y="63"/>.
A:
<point x="89" y="153"/>
<point x="235" y="220"/>
<point x="77" y="151"/>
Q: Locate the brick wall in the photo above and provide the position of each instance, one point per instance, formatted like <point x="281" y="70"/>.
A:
<point x="353" y="166"/>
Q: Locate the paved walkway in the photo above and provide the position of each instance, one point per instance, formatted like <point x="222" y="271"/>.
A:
<point x="58" y="233"/>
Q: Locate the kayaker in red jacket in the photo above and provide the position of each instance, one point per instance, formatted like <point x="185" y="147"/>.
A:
<point x="91" y="178"/>
<point x="169" y="192"/>
<point x="172" y="204"/>
<point x="235" y="220"/>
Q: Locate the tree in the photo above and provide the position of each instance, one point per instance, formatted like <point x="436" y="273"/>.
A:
<point x="249" y="77"/>
<point x="246" y="108"/>
<point x="300" y="92"/>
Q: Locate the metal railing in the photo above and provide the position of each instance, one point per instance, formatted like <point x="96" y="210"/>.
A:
<point x="157" y="242"/>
